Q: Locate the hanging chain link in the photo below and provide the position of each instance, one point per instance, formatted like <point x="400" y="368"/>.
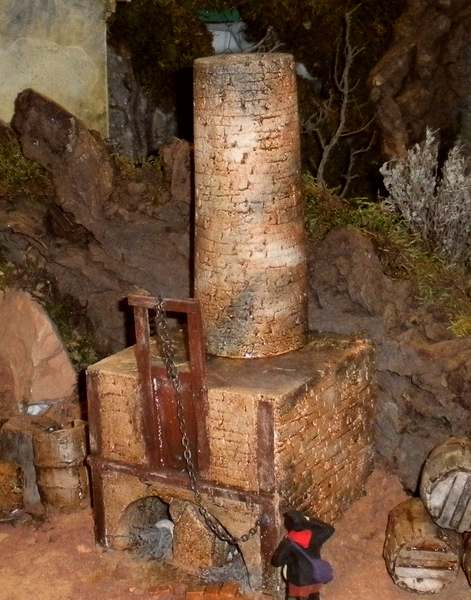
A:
<point x="167" y="349"/>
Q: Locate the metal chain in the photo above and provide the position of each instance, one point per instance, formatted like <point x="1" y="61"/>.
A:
<point x="168" y="357"/>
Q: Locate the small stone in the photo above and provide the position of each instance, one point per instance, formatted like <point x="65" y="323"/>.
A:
<point x="83" y="549"/>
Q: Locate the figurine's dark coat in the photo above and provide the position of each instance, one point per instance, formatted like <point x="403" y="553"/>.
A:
<point x="299" y="569"/>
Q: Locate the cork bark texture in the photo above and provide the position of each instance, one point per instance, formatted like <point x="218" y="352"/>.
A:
<point x="324" y="432"/>
<point x="190" y="526"/>
<point x="114" y="381"/>
<point x="318" y="449"/>
<point x="232" y="426"/>
<point x="250" y="252"/>
<point x="289" y="431"/>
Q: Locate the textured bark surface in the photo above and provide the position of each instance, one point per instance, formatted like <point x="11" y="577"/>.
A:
<point x="329" y="417"/>
<point x="423" y="371"/>
<point x="324" y="446"/>
<point x="108" y="229"/>
<point x="420" y="557"/>
<point x="445" y="486"/>
<point x="195" y="547"/>
<point x="59" y="460"/>
<point x="250" y="257"/>
<point x="295" y="429"/>
<point x="424" y="78"/>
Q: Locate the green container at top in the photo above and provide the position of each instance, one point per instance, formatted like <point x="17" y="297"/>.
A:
<point x="231" y="15"/>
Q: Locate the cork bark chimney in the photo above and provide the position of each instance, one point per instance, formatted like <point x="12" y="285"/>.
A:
<point x="250" y="269"/>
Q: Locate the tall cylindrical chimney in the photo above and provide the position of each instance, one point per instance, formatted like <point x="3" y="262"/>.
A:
<point x="250" y="271"/>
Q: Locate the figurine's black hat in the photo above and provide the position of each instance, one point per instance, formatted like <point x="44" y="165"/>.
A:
<point x="296" y="521"/>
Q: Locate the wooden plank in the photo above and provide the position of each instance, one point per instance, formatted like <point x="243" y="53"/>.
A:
<point x="187" y="305"/>
<point x="448" y="515"/>
<point x="171" y="453"/>
<point x="441" y="575"/>
<point x="197" y="355"/>
<point x="265" y="447"/>
<point x="151" y="426"/>
<point x="172" y="478"/>
<point x="270" y="535"/>
<point x="98" y="504"/>
<point x="94" y="417"/>
<point x="461" y="518"/>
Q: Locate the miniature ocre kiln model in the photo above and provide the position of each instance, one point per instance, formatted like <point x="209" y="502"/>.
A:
<point x="273" y="420"/>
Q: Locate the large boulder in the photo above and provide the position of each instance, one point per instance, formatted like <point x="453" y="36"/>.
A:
<point x="36" y="375"/>
<point x="424" y="77"/>
<point x="423" y="372"/>
<point x="109" y="229"/>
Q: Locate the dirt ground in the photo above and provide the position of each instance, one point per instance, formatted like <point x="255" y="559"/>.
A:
<point x="58" y="560"/>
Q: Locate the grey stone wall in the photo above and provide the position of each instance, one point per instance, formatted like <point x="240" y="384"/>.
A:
<point x="58" y="48"/>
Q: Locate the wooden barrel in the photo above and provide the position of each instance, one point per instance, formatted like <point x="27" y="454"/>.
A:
<point x="64" y="489"/>
<point x="467" y="556"/>
<point x="445" y="485"/>
<point x="59" y="456"/>
<point x="419" y="555"/>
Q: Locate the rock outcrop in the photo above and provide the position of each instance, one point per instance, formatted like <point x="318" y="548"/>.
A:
<point x="107" y="230"/>
<point x="424" y="78"/>
<point x="36" y="375"/>
<point x="423" y="372"/>
<point x="137" y="126"/>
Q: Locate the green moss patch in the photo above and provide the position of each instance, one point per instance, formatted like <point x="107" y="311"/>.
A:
<point x="18" y="175"/>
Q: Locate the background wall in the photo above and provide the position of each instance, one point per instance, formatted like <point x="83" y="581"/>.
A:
<point x="58" y="48"/>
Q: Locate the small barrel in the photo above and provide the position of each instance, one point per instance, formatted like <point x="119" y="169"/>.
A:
<point x="467" y="556"/>
<point x="445" y="485"/>
<point x="64" y="489"/>
<point x="59" y="456"/>
<point x="419" y="555"/>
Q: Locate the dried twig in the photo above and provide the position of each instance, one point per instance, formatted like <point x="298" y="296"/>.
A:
<point x="329" y="123"/>
<point x="269" y="42"/>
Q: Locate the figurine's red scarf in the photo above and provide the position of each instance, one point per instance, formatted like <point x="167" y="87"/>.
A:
<point x="303" y="538"/>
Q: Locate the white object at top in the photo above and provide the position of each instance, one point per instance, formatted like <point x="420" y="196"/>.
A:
<point x="229" y="38"/>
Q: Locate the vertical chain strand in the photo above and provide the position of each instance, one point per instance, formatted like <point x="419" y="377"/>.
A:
<point x="167" y="350"/>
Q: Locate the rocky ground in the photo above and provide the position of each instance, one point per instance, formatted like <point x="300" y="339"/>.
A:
<point x="58" y="559"/>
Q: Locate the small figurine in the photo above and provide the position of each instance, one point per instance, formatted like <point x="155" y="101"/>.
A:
<point x="299" y="555"/>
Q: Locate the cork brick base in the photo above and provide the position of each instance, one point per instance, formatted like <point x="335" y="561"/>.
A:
<point x="292" y="431"/>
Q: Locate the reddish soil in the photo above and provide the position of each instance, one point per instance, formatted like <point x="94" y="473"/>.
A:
<point x="58" y="559"/>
